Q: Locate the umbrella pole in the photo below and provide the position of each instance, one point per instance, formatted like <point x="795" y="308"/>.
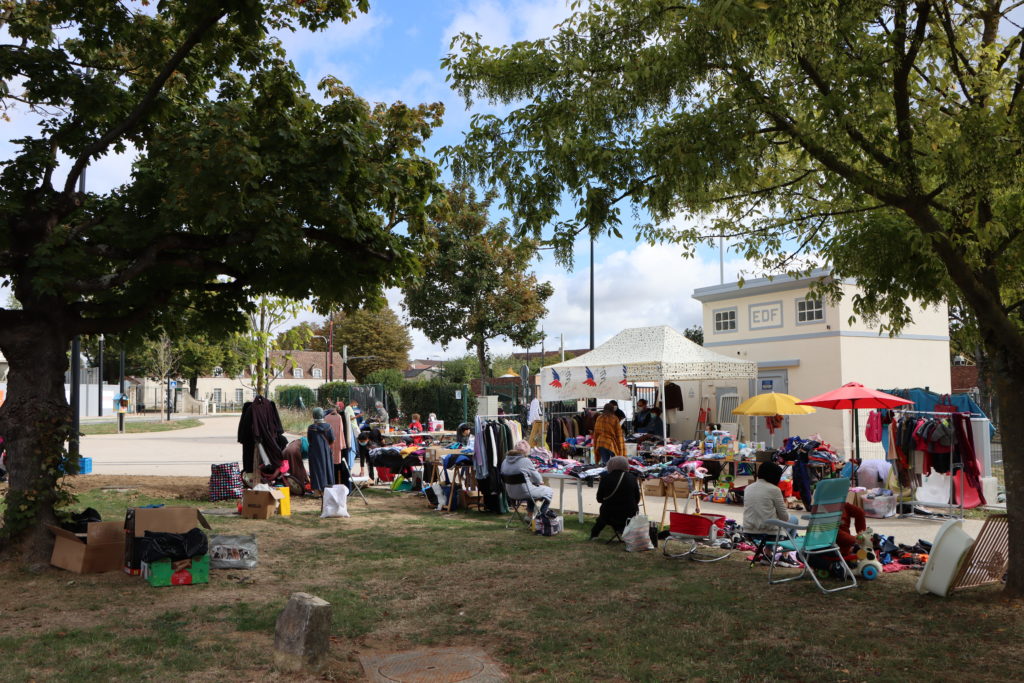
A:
<point x="856" y="432"/>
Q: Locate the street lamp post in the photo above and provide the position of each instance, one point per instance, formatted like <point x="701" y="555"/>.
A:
<point x="99" y="379"/>
<point x="326" y="350"/>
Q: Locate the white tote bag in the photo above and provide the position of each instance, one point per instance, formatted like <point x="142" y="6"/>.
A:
<point x="637" y="535"/>
<point x="335" y="502"/>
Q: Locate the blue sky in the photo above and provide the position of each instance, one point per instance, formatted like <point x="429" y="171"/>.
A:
<point x="393" y="53"/>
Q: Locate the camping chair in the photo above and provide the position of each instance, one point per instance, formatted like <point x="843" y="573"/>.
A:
<point x="819" y="535"/>
<point x="515" y="503"/>
<point x="358" y="489"/>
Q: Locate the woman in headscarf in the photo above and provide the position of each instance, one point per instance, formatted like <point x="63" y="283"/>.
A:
<point x="321" y="466"/>
<point x="619" y="496"/>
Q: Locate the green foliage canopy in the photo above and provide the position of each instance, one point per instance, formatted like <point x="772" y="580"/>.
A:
<point x="476" y="284"/>
<point x="882" y="138"/>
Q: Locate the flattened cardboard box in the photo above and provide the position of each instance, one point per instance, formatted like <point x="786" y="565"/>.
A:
<point x="170" y="519"/>
<point x="260" y="504"/>
<point x="102" y="549"/>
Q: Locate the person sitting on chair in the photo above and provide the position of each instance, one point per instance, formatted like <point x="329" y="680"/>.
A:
<point x="619" y="496"/>
<point x="762" y="501"/>
<point x="517" y="462"/>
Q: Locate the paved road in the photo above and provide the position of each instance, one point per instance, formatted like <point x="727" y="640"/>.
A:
<point x="190" y="452"/>
<point x="182" y="452"/>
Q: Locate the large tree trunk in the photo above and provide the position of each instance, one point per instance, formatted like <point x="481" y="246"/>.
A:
<point x="35" y="420"/>
<point x="1011" y="430"/>
<point x="481" y="359"/>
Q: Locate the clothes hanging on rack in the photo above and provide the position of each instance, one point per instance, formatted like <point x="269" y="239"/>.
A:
<point x="673" y="397"/>
<point x="965" y="453"/>
<point x="260" y="424"/>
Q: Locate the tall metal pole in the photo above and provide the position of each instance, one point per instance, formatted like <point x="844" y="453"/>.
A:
<point x="721" y="259"/>
<point x="330" y="348"/>
<point x="344" y="362"/>
<point x="168" y="396"/>
<point x="120" y="389"/>
<point x="591" y="292"/>
<point x="99" y="380"/>
<point x="76" y="408"/>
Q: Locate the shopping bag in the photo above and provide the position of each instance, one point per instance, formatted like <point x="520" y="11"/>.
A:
<point x="225" y="481"/>
<point x="637" y="534"/>
<point x="335" y="501"/>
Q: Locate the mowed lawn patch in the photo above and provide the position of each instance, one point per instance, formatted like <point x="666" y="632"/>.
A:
<point x="139" y="426"/>
<point x="400" y="576"/>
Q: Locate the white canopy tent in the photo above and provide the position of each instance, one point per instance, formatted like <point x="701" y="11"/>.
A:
<point x="638" y="354"/>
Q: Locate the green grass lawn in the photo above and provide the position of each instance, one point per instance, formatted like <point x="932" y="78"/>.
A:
<point x="400" y="576"/>
<point x="137" y="427"/>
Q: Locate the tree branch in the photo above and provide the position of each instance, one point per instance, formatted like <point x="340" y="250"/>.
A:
<point x="148" y="100"/>
<point x="852" y="131"/>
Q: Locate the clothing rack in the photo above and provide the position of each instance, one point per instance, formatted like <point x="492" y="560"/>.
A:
<point x="955" y="464"/>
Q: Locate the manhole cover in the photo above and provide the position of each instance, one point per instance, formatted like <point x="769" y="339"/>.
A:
<point x="445" y="665"/>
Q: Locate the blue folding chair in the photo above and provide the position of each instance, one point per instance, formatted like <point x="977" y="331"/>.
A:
<point x="818" y="536"/>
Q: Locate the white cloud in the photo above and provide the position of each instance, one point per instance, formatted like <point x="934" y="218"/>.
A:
<point x="635" y="286"/>
<point x="503" y="23"/>
<point x="648" y="284"/>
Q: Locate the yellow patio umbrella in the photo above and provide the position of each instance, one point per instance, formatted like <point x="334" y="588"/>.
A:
<point x="772" y="404"/>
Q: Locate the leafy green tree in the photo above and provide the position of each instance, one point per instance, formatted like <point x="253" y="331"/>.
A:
<point x="880" y="138"/>
<point x="391" y="379"/>
<point x="376" y="340"/>
<point x="695" y="334"/>
<point x="244" y="185"/>
<point x="460" y="370"/>
<point x="476" y="285"/>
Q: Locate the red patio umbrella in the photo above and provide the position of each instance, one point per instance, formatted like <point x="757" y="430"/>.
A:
<point x="854" y="396"/>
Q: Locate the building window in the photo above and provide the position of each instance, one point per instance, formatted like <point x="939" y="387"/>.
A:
<point x="239" y="395"/>
<point x="809" y="311"/>
<point x="317" y="373"/>
<point x="217" y="396"/>
<point x="297" y="372"/>
<point x="218" y="371"/>
<point x="725" y="320"/>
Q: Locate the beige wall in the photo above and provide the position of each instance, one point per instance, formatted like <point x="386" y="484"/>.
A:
<point x="822" y="356"/>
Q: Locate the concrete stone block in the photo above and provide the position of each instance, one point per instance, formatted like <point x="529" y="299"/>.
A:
<point x="302" y="634"/>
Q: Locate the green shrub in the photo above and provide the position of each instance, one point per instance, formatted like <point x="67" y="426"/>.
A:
<point x="295" y="396"/>
<point x="437" y="396"/>
<point x="331" y="392"/>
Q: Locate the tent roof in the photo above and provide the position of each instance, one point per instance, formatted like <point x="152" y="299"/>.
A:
<point x="656" y="353"/>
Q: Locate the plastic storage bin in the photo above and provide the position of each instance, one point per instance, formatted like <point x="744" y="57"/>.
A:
<point x="880" y="506"/>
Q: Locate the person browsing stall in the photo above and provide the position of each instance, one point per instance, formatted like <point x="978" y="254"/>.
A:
<point x="517" y="462"/>
<point x="619" y="496"/>
<point x="763" y="501"/>
<point x="320" y="437"/>
<point x="608" y="439"/>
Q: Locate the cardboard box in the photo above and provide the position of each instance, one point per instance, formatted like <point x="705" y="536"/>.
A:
<point x="181" y="573"/>
<point x="652" y="487"/>
<point x="260" y="504"/>
<point x="169" y="519"/>
<point x="100" y="549"/>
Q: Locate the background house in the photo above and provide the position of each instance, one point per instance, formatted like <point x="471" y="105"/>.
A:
<point x="806" y="347"/>
<point x="304" y="368"/>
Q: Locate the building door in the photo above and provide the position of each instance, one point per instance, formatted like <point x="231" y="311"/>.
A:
<point x="769" y="381"/>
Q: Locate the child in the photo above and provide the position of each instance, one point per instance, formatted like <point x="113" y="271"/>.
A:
<point x="415" y="426"/>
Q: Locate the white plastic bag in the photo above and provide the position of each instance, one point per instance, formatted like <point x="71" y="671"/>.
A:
<point x="335" y="503"/>
<point x="233" y="552"/>
<point x="637" y="535"/>
<point x="442" y="499"/>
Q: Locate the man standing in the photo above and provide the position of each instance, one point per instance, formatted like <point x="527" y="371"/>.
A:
<point x="642" y="416"/>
